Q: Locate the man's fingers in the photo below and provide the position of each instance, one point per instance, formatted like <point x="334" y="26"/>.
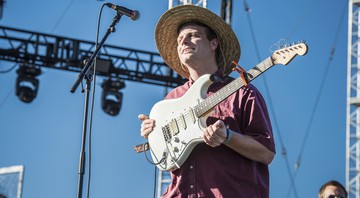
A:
<point x="147" y="125"/>
<point x="142" y="117"/>
<point x="145" y="133"/>
<point x="211" y="138"/>
<point x="219" y="124"/>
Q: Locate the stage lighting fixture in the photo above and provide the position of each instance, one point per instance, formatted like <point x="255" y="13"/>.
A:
<point x="111" y="97"/>
<point x="26" y="83"/>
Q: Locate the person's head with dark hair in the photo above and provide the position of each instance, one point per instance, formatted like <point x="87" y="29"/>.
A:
<point x="332" y="189"/>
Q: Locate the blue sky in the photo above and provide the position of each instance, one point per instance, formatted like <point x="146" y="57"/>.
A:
<point x="306" y="99"/>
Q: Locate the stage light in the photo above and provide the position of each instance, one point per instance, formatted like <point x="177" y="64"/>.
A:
<point x="111" y="97"/>
<point x="26" y="83"/>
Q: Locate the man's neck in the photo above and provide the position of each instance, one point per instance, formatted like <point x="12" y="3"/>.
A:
<point x="196" y="73"/>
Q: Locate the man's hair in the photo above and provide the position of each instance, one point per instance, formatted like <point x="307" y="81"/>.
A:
<point x="332" y="183"/>
<point x="210" y="34"/>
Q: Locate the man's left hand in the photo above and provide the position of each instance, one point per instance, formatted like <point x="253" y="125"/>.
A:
<point x="215" y="134"/>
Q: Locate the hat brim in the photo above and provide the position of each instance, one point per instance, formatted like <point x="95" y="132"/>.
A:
<point x="166" y="33"/>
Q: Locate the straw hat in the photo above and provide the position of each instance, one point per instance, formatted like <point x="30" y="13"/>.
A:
<point x="166" y="36"/>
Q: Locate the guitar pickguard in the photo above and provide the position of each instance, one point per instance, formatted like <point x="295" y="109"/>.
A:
<point x="177" y="127"/>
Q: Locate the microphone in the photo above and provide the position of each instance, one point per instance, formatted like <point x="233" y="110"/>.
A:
<point x="132" y="14"/>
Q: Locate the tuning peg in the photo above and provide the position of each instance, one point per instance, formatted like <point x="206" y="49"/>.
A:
<point x="302" y="41"/>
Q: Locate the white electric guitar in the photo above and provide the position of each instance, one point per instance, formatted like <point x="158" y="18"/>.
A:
<point x="179" y="123"/>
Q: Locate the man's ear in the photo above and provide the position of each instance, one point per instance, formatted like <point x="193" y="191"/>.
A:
<point x="214" y="44"/>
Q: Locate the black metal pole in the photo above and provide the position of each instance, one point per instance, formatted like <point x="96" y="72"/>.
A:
<point x="87" y="74"/>
<point x="82" y="161"/>
<point x="91" y="59"/>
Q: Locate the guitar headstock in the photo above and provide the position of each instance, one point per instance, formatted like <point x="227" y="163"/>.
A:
<point x="286" y="54"/>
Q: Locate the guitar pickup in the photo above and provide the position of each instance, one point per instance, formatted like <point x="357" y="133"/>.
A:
<point x="174" y="127"/>
<point x="182" y="118"/>
<point x="191" y="113"/>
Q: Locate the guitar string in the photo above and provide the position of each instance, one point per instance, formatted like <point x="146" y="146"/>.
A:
<point x="231" y="87"/>
<point x="180" y="121"/>
<point x="218" y="96"/>
<point x="235" y="84"/>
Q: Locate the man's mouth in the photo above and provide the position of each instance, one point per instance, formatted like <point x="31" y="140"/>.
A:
<point x="187" y="50"/>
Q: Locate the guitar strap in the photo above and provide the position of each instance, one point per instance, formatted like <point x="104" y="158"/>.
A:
<point x="241" y="71"/>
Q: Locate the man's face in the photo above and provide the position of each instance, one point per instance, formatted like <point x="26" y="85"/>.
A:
<point x="333" y="192"/>
<point x="193" y="44"/>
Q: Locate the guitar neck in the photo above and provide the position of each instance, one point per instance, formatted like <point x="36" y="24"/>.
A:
<point x="258" y="69"/>
<point x="209" y="103"/>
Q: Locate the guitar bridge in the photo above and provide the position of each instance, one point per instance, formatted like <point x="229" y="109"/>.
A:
<point x="166" y="132"/>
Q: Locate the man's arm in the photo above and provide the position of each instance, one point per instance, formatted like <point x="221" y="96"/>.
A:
<point x="216" y="134"/>
<point x="250" y="148"/>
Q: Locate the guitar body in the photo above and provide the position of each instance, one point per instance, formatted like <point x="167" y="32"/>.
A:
<point x="177" y="130"/>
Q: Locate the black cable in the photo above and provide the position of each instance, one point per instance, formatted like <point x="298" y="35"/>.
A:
<point x="284" y="153"/>
<point x="62" y="16"/>
<point x="155" y="167"/>
<point x="8" y="70"/>
<point x="305" y="14"/>
<point x="11" y="90"/>
<point x="153" y="163"/>
<point x="332" y="51"/>
<point x="6" y="97"/>
<point x="92" y="106"/>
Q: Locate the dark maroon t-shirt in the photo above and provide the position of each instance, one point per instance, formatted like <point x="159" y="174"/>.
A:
<point x="220" y="171"/>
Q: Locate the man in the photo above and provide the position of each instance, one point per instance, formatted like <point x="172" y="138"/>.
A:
<point x="238" y="143"/>
<point x="332" y="189"/>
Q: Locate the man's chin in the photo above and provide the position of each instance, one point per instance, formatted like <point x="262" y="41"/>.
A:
<point x="187" y="56"/>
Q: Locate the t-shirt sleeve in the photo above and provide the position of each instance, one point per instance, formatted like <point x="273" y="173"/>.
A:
<point x="254" y="119"/>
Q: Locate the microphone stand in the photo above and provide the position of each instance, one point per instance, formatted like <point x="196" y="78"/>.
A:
<point x="86" y="74"/>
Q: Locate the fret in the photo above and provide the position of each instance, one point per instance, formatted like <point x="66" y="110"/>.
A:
<point x="259" y="69"/>
<point x="213" y="100"/>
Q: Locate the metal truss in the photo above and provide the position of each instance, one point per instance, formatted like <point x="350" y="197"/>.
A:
<point x="353" y="103"/>
<point x="173" y="3"/>
<point x="45" y="50"/>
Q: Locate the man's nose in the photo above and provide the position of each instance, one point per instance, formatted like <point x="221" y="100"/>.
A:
<point x="184" y="40"/>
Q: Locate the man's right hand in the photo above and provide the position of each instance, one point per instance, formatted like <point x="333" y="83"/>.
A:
<point x="147" y="125"/>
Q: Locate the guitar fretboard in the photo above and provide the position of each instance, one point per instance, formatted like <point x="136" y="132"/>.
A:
<point x="210" y="102"/>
